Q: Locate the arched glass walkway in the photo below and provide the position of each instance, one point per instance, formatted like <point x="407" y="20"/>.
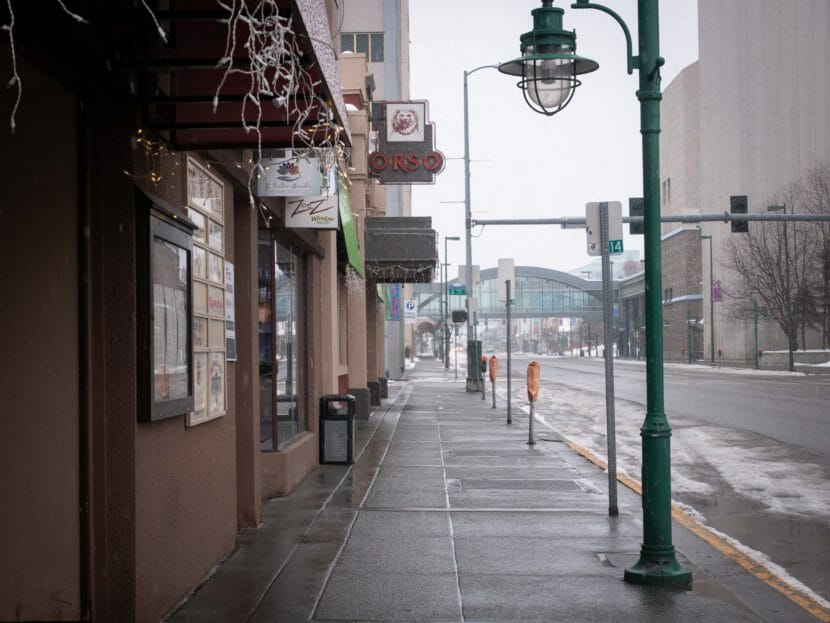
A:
<point x="537" y="292"/>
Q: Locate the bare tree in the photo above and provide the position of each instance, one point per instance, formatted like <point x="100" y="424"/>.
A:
<point x="774" y="262"/>
<point x="817" y="201"/>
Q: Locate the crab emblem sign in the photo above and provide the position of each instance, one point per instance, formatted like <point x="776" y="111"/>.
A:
<point x="406" y="151"/>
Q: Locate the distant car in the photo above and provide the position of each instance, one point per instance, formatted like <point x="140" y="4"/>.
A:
<point x="491" y="351"/>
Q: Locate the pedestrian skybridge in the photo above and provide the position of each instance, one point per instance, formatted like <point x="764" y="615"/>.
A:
<point x="537" y="292"/>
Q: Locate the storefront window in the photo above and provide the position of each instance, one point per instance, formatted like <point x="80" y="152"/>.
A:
<point x="281" y="412"/>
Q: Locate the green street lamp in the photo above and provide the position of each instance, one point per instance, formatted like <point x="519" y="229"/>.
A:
<point x="549" y="65"/>
<point x="549" y="68"/>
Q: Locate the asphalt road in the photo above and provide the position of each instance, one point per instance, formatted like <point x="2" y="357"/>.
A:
<point x="793" y="410"/>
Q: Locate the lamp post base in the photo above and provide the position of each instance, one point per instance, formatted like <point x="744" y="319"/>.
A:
<point x="475" y="385"/>
<point x="659" y="569"/>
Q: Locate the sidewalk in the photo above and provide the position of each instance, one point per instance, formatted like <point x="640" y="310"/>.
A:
<point x="448" y="515"/>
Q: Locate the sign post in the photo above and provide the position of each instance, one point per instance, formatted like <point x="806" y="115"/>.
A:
<point x="608" y="350"/>
<point x="593" y="225"/>
<point x="410" y="311"/>
<point x="509" y="335"/>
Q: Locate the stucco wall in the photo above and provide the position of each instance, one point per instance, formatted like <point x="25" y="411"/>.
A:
<point x="680" y="146"/>
<point x="39" y="366"/>
<point x="185" y="506"/>
<point x="764" y="88"/>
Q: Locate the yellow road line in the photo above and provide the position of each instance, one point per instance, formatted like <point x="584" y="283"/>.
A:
<point x="794" y="594"/>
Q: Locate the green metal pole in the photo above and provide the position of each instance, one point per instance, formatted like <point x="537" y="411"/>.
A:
<point x="755" y="319"/>
<point x="711" y="300"/>
<point x="658" y="564"/>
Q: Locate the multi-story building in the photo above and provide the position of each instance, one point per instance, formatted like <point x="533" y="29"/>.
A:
<point x="746" y="119"/>
<point x="167" y="333"/>
<point x="379" y="30"/>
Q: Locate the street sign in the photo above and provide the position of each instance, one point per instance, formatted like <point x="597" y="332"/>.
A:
<point x="592" y="225"/>
<point x="506" y="272"/>
<point x="615" y="246"/>
<point x="410" y="311"/>
<point x="457" y="289"/>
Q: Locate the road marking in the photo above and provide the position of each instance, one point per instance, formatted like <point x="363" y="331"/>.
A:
<point x="810" y="603"/>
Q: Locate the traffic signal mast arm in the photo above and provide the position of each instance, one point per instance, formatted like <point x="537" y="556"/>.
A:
<point x="577" y="222"/>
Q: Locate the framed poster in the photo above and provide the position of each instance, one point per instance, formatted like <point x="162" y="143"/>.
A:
<point x="166" y="376"/>
<point x="199" y="384"/>
<point x="216" y="384"/>
<point x="230" y="324"/>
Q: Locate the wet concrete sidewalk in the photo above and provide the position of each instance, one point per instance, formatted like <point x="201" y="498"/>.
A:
<point x="448" y="515"/>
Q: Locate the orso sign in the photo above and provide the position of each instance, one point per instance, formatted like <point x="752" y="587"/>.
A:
<point x="406" y="151"/>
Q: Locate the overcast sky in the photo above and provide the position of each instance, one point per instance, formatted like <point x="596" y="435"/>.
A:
<point x="526" y="165"/>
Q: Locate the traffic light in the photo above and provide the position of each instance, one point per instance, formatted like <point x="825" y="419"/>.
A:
<point x="635" y="208"/>
<point x="738" y="205"/>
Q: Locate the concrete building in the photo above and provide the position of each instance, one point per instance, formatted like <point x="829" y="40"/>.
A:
<point x="379" y="29"/>
<point x="749" y="118"/>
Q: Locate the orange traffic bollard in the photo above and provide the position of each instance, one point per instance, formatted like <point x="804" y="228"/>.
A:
<point x="533" y="373"/>
<point x="533" y="381"/>
<point x="494" y="370"/>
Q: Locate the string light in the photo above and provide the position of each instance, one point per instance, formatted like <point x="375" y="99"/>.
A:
<point x="15" y="79"/>
<point x="274" y="72"/>
<point x="156" y="154"/>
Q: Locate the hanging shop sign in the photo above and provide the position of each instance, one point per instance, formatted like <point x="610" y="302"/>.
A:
<point x="290" y="175"/>
<point x="315" y="212"/>
<point x="312" y="212"/>
<point x="406" y="151"/>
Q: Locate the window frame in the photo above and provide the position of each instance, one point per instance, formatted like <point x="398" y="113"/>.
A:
<point x="159" y="226"/>
<point x="372" y="39"/>
<point x="210" y="240"/>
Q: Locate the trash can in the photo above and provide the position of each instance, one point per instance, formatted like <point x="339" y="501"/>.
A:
<point x="374" y="393"/>
<point x="384" y="386"/>
<point x="337" y="429"/>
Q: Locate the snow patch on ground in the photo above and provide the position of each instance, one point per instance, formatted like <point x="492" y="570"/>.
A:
<point x="753" y="466"/>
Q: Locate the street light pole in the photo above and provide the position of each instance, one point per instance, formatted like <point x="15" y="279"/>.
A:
<point x="446" y="340"/>
<point x="472" y="353"/>
<point x="700" y="236"/>
<point x="549" y="71"/>
<point x="657" y="564"/>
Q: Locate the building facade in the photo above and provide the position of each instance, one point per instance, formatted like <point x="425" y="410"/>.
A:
<point x="379" y="30"/>
<point x="746" y="120"/>
<point x="167" y="333"/>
